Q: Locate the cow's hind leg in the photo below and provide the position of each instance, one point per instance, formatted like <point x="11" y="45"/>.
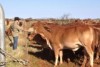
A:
<point x="85" y="59"/>
<point x="97" y="54"/>
<point x="91" y="55"/>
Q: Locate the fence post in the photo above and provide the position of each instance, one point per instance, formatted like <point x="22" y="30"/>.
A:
<point x="2" y="35"/>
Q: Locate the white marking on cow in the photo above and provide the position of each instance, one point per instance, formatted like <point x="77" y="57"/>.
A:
<point x="75" y="49"/>
<point x="48" y="43"/>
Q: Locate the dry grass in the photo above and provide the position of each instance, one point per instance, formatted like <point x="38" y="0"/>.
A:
<point x="19" y="53"/>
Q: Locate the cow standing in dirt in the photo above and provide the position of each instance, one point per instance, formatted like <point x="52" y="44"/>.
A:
<point x="73" y="38"/>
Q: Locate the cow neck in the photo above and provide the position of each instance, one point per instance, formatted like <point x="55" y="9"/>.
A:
<point x="43" y="32"/>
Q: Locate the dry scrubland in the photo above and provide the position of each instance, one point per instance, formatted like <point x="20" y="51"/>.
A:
<point x="37" y="57"/>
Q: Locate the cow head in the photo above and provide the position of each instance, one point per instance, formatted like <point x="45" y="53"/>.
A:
<point x="31" y="36"/>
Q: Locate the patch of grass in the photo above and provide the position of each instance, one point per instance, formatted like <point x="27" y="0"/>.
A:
<point x="13" y="64"/>
<point x="18" y="53"/>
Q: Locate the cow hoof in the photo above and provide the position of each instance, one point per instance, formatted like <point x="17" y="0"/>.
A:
<point x="55" y="65"/>
<point x="61" y="63"/>
<point x="83" y="66"/>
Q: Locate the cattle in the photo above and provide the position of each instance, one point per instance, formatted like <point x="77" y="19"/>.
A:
<point x="70" y="37"/>
<point x="97" y="47"/>
<point x="7" y="26"/>
<point x="8" y="30"/>
<point x="97" y="25"/>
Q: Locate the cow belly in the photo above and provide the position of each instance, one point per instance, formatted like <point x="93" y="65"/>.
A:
<point x="73" y="46"/>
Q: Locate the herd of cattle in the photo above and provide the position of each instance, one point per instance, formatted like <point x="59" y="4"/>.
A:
<point x="73" y="36"/>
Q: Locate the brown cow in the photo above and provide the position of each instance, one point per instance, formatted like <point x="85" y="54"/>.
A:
<point x="60" y="37"/>
<point x="97" y="47"/>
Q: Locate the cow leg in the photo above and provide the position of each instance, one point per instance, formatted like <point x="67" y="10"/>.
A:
<point x="61" y="56"/>
<point x="91" y="59"/>
<point x="91" y="55"/>
<point x="97" y="56"/>
<point x="56" y="57"/>
<point x="84" y="60"/>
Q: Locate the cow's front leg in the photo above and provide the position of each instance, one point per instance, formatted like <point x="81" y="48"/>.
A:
<point x="56" y="57"/>
<point x="61" y="56"/>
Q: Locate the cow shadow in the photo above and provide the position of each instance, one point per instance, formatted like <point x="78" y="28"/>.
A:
<point x="45" y="54"/>
<point x="68" y="56"/>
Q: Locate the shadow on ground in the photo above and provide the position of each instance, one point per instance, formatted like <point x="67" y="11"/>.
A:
<point x="68" y="56"/>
